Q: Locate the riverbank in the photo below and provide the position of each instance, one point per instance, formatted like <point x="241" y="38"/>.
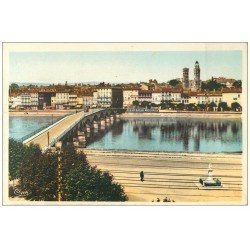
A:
<point x="173" y="175"/>
<point x="41" y="112"/>
<point x="183" y="114"/>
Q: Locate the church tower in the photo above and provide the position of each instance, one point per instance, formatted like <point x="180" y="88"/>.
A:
<point x="185" y="78"/>
<point x="197" y="75"/>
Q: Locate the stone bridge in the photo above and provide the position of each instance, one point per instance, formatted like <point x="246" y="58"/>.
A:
<point x="74" y="127"/>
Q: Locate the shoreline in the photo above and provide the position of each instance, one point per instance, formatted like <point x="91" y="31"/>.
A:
<point x="39" y="113"/>
<point x="163" y="154"/>
<point x="183" y="114"/>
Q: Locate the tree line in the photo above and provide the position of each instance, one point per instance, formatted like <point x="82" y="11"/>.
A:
<point x="222" y="106"/>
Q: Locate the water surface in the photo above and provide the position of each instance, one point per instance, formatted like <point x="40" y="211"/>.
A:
<point x="20" y="126"/>
<point x="171" y="135"/>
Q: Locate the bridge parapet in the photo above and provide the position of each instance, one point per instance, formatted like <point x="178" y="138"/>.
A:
<point x="69" y="125"/>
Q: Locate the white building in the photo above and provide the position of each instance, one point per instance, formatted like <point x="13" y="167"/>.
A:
<point x="88" y="100"/>
<point x="15" y="102"/>
<point x="175" y="96"/>
<point x="145" y="95"/>
<point x="129" y="95"/>
<point x="166" y="95"/>
<point x="26" y="100"/>
<point x="157" y="97"/>
<point x="72" y="100"/>
<point x="232" y="95"/>
<point x="34" y="100"/>
<point x="62" y="98"/>
<point x="95" y="98"/>
<point x="110" y="97"/>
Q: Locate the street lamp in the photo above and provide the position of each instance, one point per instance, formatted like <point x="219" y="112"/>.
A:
<point x="58" y="145"/>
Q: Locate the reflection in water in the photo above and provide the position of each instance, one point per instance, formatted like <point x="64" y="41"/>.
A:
<point x="170" y="134"/>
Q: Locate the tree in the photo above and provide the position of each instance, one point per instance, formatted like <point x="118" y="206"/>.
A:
<point x="89" y="184"/>
<point x="38" y="175"/>
<point x="174" y="82"/>
<point x="236" y="106"/>
<point x="222" y="106"/>
<point x="211" y="106"/>
<point x="201" y="106"/>
<point x="14" y="86"/>
<point x="16" y="153"/>
<point x="145" y="104"/>
<point x="212" y="85"/>
<point x="135" y="103"/>
<point x="180" y="106"/>
<point x="191" y="107"/>
<point x="237" y="84"/>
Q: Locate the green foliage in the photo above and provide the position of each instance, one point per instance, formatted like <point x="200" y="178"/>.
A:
<point x="145" y="104"/>
<point x="174" y="82"/>
<point x="235" y="106"/>
<point x="167" y="105"/>
<point x="223" y="106"/>
<point x="212" y="105"/>
<point x="180" y="106"/>
<point x="136" y="103"/>
<point x="212" y="85"/>
<point x="191" y="107"/>
<point x="38" y="175"/>
<point x="81" y="182"/>
<point x="16" y="152"/>
<point x="237" y="84"/>
<point x="201" y="106"/>
<point x="14" y="86"/>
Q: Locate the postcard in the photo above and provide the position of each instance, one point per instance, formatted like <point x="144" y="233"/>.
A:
<point x="125" y="123"/>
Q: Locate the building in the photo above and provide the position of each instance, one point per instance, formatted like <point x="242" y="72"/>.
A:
<point x="95" y="98"/>
<point x="166" y="94"/>
<point x="185" y="98"/>
<point x="231" y="95"/>
<point x="185" y="78"/>
<point x="62" y="100"/>
<point x="157" y="97"/>
<point x="34" y="100"/>
<point x="215" y="97"/>
<point x="72" y="101"/>
<point x="197" y="73"/>
<point x="25" y="100"/>
<point x="44" y="99"/>
<point x="145" y="95"/>
<point x="110" y="97"/>
<point x="15" y="102"/>
<point x="129" y="96"/>
<point x="175" y="95"/>
<point x="87" y="100"/>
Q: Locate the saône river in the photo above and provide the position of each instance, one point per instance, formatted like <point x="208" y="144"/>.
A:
<point x="212" y="135"/>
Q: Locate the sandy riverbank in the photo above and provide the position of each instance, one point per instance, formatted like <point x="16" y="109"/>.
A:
<point x="175" y="175"/>
<point x="184" y="114"/>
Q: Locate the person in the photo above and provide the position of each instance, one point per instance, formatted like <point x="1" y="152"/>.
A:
<point x="142" y="175"/>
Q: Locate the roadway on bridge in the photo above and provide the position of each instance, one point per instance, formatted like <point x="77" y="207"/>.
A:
<point x="56" y="130"/>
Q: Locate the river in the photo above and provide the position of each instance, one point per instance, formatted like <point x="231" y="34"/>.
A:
<point x="152" y="134"/>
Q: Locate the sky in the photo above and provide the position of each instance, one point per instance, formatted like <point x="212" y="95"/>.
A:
<point x="118" y="67"/>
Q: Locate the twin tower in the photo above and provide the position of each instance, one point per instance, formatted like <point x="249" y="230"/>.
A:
<point x="196" y="83"/>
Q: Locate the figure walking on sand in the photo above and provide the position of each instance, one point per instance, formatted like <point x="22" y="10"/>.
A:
<point x="142" y="175"/>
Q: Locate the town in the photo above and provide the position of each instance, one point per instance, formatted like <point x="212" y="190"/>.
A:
<point x="215" y="94"/>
